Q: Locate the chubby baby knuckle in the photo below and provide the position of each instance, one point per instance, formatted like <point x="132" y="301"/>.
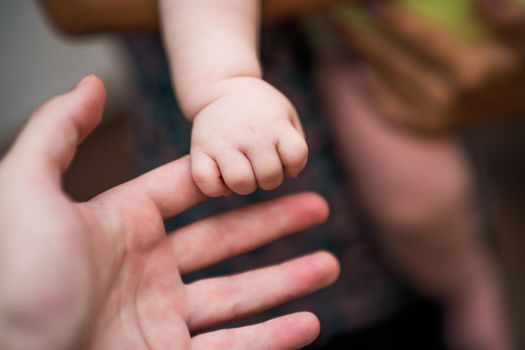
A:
<point x="200" y="175"/>
<point x="242" y="184"/>
<point x="302" y="149"/>
<point x="272" y="184"/>
<point x="299" y="153"/>
<point x="271" y="176"/>
<point x="209" y="144"/>
<point x="212" y="192"/>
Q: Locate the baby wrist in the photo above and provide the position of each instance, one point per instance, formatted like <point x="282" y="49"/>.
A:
<point x="195" y="103"/>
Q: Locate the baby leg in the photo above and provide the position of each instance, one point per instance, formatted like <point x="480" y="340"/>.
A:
<point x="418" y="191"/>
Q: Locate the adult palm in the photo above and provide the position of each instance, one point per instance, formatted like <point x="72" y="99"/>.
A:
<point x="103" y="274"/>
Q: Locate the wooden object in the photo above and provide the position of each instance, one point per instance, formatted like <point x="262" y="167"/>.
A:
<point x="441" y="78"/>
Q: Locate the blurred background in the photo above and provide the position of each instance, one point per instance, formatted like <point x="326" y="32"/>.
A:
<point x="37" y="62"/>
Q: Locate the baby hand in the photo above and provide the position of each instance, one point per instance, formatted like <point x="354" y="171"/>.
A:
<point x="249" y="137"/>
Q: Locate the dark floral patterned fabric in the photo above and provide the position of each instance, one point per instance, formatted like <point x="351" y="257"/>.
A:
<point x="366" y="291"/>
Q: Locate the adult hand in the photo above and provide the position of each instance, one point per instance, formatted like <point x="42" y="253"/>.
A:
<point x="103" y="274"/>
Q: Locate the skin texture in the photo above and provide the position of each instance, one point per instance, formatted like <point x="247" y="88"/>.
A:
<point x="204" y="74"/>
<point x="415" y="230"/>
<point x="104" y="275"/>
<point x="246" y="134"/>
<point x="250" y="137"/>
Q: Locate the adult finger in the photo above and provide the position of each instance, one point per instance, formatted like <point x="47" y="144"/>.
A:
<point x="244" y="229"/>
<point x="48" y="142"/>
<point x="222" y="299"/>
<point x="284" y="333"/>
<point x="169" y="187"/>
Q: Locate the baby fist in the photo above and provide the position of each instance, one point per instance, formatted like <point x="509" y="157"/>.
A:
<point x="249" y="137"/>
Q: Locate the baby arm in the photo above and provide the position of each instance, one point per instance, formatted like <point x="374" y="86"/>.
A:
<point x="245" y="132"/>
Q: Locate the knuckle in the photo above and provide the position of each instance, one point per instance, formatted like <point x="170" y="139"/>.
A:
<point x="271" y="179"/>
<point x="200" y="176"/>
<point x="242" y="184"/>
<point x="302" y="147"/>
<point x="299" y="153"/>
<point x="213" y="192"/>
<point x="208" y="186"/>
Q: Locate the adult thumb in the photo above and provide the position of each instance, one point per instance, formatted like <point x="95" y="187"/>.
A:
<point x="47" y="144"/>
